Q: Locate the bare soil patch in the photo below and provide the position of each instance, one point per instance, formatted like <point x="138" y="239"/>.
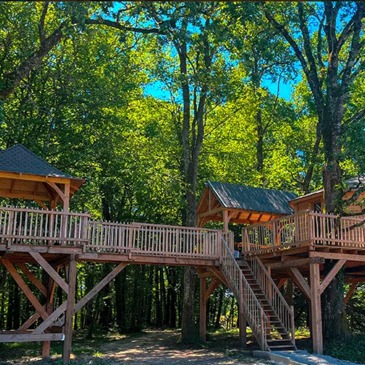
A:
<point x="151" y="348"/>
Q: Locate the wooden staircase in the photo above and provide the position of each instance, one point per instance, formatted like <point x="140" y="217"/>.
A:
<point x="277" y="336"/>
<point x="260" y="302"/>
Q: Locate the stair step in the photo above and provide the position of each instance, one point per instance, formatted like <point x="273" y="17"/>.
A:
<point x="279" y="342"/>
<point x="282" y="348"/>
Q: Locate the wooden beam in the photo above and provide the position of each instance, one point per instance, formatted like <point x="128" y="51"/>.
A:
<point x="316" y="310"/>
<point x="37" y="178"/>
<point x="99" y="286"/>
<point x="203" y="309"/>
<point x="219" y="275"/>
<point x="51" y="319"/>
<point x="32" y="278"/>
<point x="213" y="285"/>
<point x="225" y="220"/>
<point x="288" y="263"/>
<point x="66" y="201"/>
<point x="300" y="281"/>
<point x="337" y="256"/>
<point x="50" y="270"/>
<point x="281" y="283"/>
<point x="46" y="345"/>
<point x="33" y="318"/>
<point x="210" y="212"/>
<point x="24" y="287"/>
<point x="331" y="275"/>
<point x="30" y="337"/>
<point x="351" y="291"/>
<point x="72" y="271"/>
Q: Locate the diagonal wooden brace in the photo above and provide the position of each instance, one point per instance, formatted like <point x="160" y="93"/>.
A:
<point x="22" y="284"/>
<point x="50" y="270"/>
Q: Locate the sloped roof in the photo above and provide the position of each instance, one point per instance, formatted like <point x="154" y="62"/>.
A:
<point x="235" y="196"/>
<point x="20" y="160"/>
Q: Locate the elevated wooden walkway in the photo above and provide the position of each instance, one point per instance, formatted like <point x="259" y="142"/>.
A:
<point x="291" y="247"/>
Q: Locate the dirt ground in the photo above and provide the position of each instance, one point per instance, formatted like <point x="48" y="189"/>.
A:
<point x="152" y="348"/>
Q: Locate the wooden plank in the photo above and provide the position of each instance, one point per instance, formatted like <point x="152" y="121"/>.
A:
<point x="316" y="310"/>
<point x="24" y="287"/>
<point x="331" y="275"/>
<point x="99" y="286"/>
<point x="50" y="270"/>
<point x="300" y="281"/>
<point x="33" y="279"/>
<point x="30" y="337"/>
<point x="72" y="271"/>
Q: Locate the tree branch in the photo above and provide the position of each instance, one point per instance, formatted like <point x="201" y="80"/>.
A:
<point x="355" y="47"/>
<point x="119" y="26"/>
<point x="312" y="78"/>
<point x="12" y="79"/>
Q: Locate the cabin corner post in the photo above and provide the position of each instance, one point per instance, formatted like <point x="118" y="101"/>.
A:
<point x="203" y="309"/>
<point x="72" y="272"/>
<point x="316" y="311"/>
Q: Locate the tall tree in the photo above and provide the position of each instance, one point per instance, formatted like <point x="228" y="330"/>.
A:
<point x="327" y="39"/>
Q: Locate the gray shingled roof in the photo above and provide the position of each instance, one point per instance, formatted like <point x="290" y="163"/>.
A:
<point x="20" y="160"/>
<point x="243" y="197"/>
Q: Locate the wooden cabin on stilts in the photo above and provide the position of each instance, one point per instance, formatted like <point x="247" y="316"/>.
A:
<point x="279" y="242"/>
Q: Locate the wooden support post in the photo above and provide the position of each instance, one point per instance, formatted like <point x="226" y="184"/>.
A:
<point x="316" y="311"/>
<point x="69" y="310"/>
<point x="66" y="198"/>
<point x="242" y="326"/>
<point x="203" y="309"/>
<point x="225" y="220"/>
<point x="46" y="345"/>
<point x="241" y="317"/>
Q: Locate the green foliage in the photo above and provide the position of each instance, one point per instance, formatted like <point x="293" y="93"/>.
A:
<point x="350" y="349"/>
<point x="86" y="106"/>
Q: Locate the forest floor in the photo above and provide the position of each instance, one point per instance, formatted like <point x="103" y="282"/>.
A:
<point x="147" y="348"/>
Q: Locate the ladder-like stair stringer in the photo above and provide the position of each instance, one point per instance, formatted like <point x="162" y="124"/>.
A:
<point x="259" y="302"/>
<point x="280" y="322"/>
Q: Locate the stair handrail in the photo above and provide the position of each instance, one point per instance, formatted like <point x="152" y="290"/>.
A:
<point x="284" y="312"/>
<point x="246" y="297"/>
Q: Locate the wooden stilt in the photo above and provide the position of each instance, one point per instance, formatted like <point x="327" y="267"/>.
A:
<point x="46" y="345"/>
<point x="316" y="311"/>
<point x="203" y="309"/>
<point x="242" y="327"/>
<point x="69" y="310"/>
<point x="242" y="318"/>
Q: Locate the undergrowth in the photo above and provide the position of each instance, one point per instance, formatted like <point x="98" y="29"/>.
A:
<point x="351" y="349"/>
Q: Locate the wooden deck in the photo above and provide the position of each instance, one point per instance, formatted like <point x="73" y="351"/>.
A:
<point x="304" y="237"/>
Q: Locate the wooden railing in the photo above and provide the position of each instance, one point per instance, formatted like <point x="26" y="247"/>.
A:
<point x="284" y="312"/>
<point x="243" y="292"/>
<point x="42" y="227"/>
<point x="153" y="239"/>
<point x="331" y="230"/>
<point x="305" y="227"/>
